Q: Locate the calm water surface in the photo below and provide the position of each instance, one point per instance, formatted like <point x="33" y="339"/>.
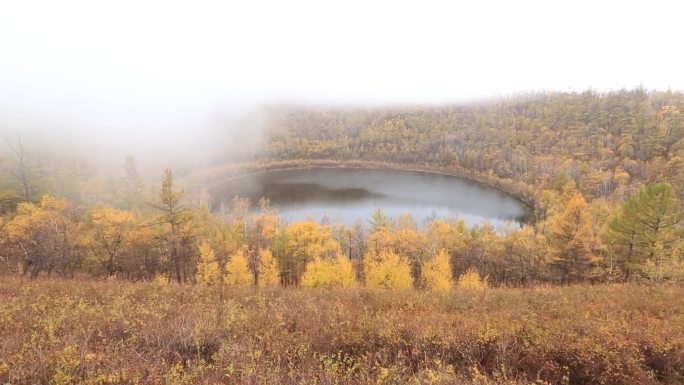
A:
<point x="347" y="195"/>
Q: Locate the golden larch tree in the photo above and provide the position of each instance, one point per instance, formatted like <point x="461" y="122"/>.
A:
<point x="471" y="280"/>
<point x="208" y="271"/>
<point x="436" y="273"/>
<point x="269" y="275"/>
<point x="107" y="234"/>
<point x="237" y="270"/>
<point x="306" y="241"/>
<point x="387" y="270"/>
<point x="45" y="236"/>
<point x="573" y="241"/>
<point x="337" y="272"/>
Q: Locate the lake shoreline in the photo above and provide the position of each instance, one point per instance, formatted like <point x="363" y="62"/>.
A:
<point x="514" y="189"/>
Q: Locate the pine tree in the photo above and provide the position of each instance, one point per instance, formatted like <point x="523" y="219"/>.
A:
<point x="645" y="225"/>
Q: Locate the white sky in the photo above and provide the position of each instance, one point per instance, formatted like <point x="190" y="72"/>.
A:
<point x="142" y="67"/>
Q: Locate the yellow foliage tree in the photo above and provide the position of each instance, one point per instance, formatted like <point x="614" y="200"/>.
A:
<point x="237" y="270"/>
<point x="108" y="233"/>
<point x="471" y="280"/>
<point x="306" y="241"/>
<point x="45" y="236"/>
<point x="573" y="241"/>
<point x="346" y="276"/>
<point x="208" y="271"/>
<point x="441" y="234"/>
<point x="437" y="273"/>
<point x="337" y="272"/>
<point x="268" y="269"/>
<point x="664" y="266"/>
<point x="387" y="270"/>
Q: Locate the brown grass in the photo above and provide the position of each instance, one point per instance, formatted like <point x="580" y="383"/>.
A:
<point x="58" y="332"/>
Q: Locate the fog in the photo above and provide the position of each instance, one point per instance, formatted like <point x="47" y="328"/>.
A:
<point x="180" y="81"/>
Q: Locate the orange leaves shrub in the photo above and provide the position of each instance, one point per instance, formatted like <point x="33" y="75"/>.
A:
<point x="72" y="331"/>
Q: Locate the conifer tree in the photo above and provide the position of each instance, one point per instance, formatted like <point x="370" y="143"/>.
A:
<point x="436" y="273"/>
<point x="176" y="219"/>
<point x="106" y="237"/>
<point x="268" y="269"/>
<point x="237" y="270"/>
<point x="337" y="272"/>
<point x="573" y="242"/>
<point x="306" y="241"/>
<point x="379" y="222"/>
<point x="471" y="280"/>
<point x="387" y="270"/>
<point x="208" y="271"/>
<point x="645" y="226"/>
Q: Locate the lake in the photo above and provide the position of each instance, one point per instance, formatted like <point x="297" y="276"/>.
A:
<point x="346" y="195"/>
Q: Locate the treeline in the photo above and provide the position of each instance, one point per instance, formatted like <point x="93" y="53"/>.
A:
<point x="605" y="173"/>
<point x="609" y="144"/>
<point x="176" y="236"/>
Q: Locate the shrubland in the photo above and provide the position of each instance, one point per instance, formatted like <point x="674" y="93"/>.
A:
<point x="57" y="331"/>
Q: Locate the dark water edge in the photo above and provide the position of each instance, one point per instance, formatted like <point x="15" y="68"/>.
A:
<point x="349" y="194"/>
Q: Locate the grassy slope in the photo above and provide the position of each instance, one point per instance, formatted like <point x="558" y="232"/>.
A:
<point x="56" y="331"/>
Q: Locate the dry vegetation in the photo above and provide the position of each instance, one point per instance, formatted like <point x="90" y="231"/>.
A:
<point x="79" y="331"/>
<point x="603" y="172"/>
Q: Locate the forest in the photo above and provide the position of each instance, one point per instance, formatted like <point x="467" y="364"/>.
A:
<point x="603" y="173"/>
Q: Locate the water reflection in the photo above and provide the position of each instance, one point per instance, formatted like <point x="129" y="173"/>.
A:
<point x="347" y="195"/>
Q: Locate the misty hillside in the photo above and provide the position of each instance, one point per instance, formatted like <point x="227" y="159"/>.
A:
<point x="608" y="144"/>
<point x="366" y="193"/>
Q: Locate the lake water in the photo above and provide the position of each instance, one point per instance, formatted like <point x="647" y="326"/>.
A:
<point x="347" y="195"/>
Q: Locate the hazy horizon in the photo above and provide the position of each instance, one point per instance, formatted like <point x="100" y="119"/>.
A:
<point x="161" y="77"/>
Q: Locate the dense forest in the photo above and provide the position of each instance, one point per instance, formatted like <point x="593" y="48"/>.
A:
<point x="609" y="144"/>
<point x="603" y="171"/>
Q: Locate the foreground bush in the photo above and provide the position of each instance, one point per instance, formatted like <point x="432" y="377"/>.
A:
<point x="60" y="332"/>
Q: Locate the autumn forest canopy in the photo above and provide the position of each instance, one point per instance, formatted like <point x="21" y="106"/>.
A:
<point x="603" y="172"/>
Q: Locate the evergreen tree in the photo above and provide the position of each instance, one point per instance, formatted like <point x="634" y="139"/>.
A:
<point x="645" y="226"/>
